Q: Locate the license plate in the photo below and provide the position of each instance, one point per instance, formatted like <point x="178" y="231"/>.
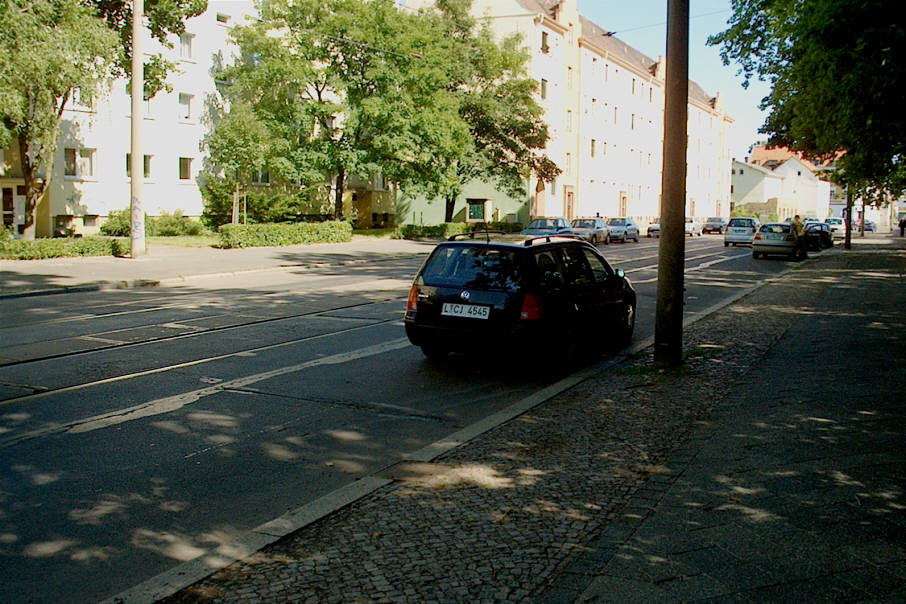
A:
<point x="775" y="236"/>
<point x="472" y="311"/>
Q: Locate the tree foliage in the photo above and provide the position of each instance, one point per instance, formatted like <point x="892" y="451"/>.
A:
<point x="496" y="100"/>
<point x="835" y="68"/>
<point x="50" y="48"/>
<point x="360" y="87"/>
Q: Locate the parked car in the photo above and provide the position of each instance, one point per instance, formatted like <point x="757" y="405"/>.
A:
<point x="623" y="229"/>
<point x="775" y="238"/>
<point x="592" y="230"/>
<point x="547" y="226"/>
<point x="837" y="226"/>
<point x="693" y="227"/>
<point x="478" y="293"/>
<point x="818" y="236"/>
<point x="654" y="228"/>
<point x="741" y="230"/>
<point x="871" y="226"/>
<point x="715" y="224"/>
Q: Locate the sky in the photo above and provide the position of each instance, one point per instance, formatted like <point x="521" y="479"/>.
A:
<point x="643" y="25"/>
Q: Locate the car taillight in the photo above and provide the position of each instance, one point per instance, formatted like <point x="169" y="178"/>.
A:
<point x="531" y="308"/>
<point x="412" y="304"/>
<point x="757" y="237"/>
<point x="790" y="238"/>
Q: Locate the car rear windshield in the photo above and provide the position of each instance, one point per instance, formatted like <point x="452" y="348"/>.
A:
<point x="617" y="221"/>
<point x="548" y="223"/>
<point x="584" y="223"/>
<point x="476" y="267"/>
<point x="740" y="222"/>
<point x="715" y="219"/>
<point x="775" y="228"/>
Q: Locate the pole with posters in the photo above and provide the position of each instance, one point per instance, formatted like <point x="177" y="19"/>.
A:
<point x="668" y="330"/>
<point x="137" y="158"/>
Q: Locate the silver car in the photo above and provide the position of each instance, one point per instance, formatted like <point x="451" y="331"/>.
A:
<point x="741" y="230"/>
<point x="775" y="238"/>
<point x="623" y="229"/>
<point x="592" y="230"/>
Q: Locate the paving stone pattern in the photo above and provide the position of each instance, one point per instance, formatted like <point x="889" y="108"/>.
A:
<point x="763" y="469"/>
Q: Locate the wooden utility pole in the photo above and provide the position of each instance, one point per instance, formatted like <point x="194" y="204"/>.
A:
<point x="137" y="158"/>
<point x="668" y="330"/>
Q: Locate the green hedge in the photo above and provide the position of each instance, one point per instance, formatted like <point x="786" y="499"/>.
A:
<point x="267" y="235"/>
<point x="448" y="229"/>
<point x="60" y="247"/>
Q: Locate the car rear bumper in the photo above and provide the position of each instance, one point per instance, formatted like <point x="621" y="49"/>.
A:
<point x="481" y="338"/>
<point x="774" y="248"/>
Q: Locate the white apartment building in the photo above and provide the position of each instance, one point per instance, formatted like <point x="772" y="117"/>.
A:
<point x="604" y="104"/>
<point x="91" y="165"/>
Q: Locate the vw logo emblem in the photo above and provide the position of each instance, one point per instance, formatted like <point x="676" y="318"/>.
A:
<point x="465" y="295"/>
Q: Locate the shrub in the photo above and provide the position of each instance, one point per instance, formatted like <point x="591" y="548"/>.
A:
<point x="59" y="247"/>
<point x="266" y="205"/>
<point x="262" y="235"/>
<point x="437" y="231"/>
<point x="119" y="223"/>
<point x="448" y="229"/>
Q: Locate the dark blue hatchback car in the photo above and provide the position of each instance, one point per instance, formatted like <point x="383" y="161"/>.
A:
<point x="476" y="293"/>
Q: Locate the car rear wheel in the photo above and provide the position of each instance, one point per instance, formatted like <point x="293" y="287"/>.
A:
<point x="435" y="353"/>
<point x="626" y="326"/>
<point x="594" y="240"/>
<point x="756" y="255"/>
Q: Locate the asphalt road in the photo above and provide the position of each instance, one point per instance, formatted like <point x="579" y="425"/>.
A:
<point x="140" y="428"/>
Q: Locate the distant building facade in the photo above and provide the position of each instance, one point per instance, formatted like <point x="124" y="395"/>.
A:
<point x="778" y="182"/>
<point x="604" y="104"/>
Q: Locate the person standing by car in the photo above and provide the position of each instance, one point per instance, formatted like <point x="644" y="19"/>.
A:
<point x="799" y="230"/>
<point x="902" y="225"/>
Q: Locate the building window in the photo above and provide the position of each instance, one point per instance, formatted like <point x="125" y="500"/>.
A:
<point x="185" y="107"/>
<point x="146" y="167"/>
<point x="78" y="163"/>
<point x="615" y="115"/>
<point x="592" y="147"/>
<point x="569" y="163"/>
<point x="186" y="44"/>
<point x="90" y="220"/>
<point x="185" y="168"/>
<point x="569" y="121"/>
<point x="223" y="19"/>
<point x="545" y="47"/>
<point x="633" y="85"/>
<point x="633" y="122"/>
<point x="477" y="209"/>
<point x="261" y="177"/>
<point x="569" y="77"/>
<point x="543" y="88"/>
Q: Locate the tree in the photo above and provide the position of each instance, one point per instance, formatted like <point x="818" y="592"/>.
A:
<point x="497" y="102"/>
<point x="836" y="76"/>
<point x="51" y="48"/>
<point x="343" y="87"/>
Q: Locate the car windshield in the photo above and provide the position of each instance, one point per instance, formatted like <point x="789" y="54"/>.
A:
<point x="834" y="221"/>
<point x="472" y="266"/>
<point x="543" y="223"/>
<point x="740" y="222"/>
<point x="617" y="222"/>
<point x="715" y="219"/>
<point x="584" y="223"/>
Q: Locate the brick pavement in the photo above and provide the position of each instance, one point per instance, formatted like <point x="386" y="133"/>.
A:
<point x="768" y="467"/>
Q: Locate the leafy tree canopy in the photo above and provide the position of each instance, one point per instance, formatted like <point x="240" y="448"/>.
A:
<point x="50" y="48"/>
<point x="835" y="67"/>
